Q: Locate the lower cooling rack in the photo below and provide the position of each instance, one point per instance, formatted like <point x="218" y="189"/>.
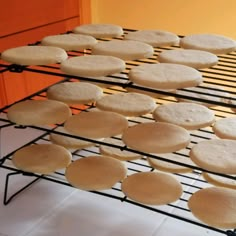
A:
<point x="191" y="182"/>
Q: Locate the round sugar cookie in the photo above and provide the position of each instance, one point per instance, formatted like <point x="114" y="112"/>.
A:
<point x="220" y="181"/>
<point x="191" y="116"/>
<point x="152" y="188"/>
<point x="211" y="93"/>
<point x="216" y="155"/>
<point x="92" y="65"/>
<point x="225" y="128"/>
<point x="69" y="41"/>
<point x="124" y="49"/>
<point x="34" y="55"/>
<point x="95" y="173"/>
<point x="214" y="206"/>
<point x="156" y="38"/>
<point x="117" y="152"/>
<point x="127" y="104"/>
<point x="156" y="137"/>
<point x="96" y="124"/>
<point x="99" y="30"/>
<point x="165" y="76"/>
<point x="213" y="43"/>
<point x="75" y="92"/>
<point x="41" y="158"/>
<point x="38" y="112"/>
<point x="68" y="142"/>
<point x="194" y="58"/>
<point x="171" y="167"/>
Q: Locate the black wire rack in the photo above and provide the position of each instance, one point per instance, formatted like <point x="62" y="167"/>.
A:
<point x="222" y="74"/>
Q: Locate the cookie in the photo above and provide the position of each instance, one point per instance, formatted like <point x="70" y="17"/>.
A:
<point x="152" y="188"/>
<point x="156" y="38"/>
<point x="191" y="116"/>
<point x="34" y="55"/>
<point x="75" y="92"/>
<point x="92" y="65"/>
<point x="165" y="76"/>
<point x="127" y="104"/>
<point x="69" y="42"/>
<point x="125" y="49"/>
<point x="143" y="137"/>
<point x="95" y="173"/>
<point x="194" y="58"/>
<point x="213" y="43"/>
<point x="38" y="112"/>
<point x="41" y="158"/>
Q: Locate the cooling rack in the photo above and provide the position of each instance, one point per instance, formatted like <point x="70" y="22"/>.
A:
<point x="222" y="74"/>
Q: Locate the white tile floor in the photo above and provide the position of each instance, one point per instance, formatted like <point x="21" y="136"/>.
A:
<point x="50" y="209"/>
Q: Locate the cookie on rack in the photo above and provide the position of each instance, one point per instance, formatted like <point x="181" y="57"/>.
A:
<point x="191" y="116"/>
<point x="92" y="65"/>
<point x="117" y="151"/>
<point x="165" y="76"/>
<point x="127" y="104"/>
<point x="95" y="173"/>
<point x="41" y="158"/>
<point x="214" y="206"/>
<point x="34" y="55"/>
<point x="96" y="124"/>
<point x="211" y="93"/>
<point x="152" y="188"/>
<point x="225" y="128"/>
<point x="216" y="155"/>
<point x="213" y="43"/>
<point x="156" y="38"/>
<point x="99" y="30"/>
<point x="220" y="181"/>
<point x="69" y="42"/>
<point x="74" y="92"/>
<point x="38" y="112"/>
<point x="67" y="141"/>
<point x="143" y="137"/>
<point x="168" y="166"/>
<point x="194" y="58"/>
<point x="125" y="49"/>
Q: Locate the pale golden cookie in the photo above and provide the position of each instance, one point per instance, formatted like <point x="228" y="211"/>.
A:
<point x="213" y="43"/>
<point x="156" y="137"/>
<point x="217" y="155"/>
<point x="117" y="152"/>
<point x="99" y="30"/>
<point x="152" y="188"/>
<point x="96" y="124"/>
<point x="124" y="49"/>
<point x="171" y="167"/>
<point x="191" y="116"/>
<point x="194" y="58"/>
<point x="69" y="142"/>
<point x="92" y="65"/>
<point x="41" y="158"/>
<point x="215" y="206"/>
<point x="75" y="92"/>
<point x="38" y="112"/>
<point x="156" y="38"/>
<point x="225" y="128"/>
<point x="69" y="41"/>
<point x="127" y="104"/>
<point x="220" y="180"/>
<point x="165" y="76"/>
<point x="34" y="55"/>
<point x="95" y="173"/>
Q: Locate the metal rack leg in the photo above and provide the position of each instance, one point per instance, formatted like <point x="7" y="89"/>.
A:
<point x="7" y="199"/>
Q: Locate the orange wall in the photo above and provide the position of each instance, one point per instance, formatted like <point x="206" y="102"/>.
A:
<point x="179" y="16"/>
